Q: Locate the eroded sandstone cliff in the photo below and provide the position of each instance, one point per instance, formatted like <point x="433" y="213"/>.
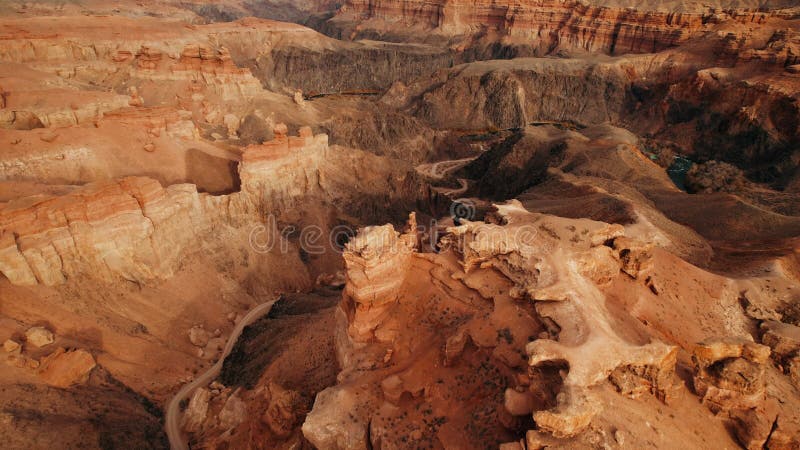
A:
<point x="602" y="250"/>
<point x="533" y="316"/>
<point x="545" y="25"/>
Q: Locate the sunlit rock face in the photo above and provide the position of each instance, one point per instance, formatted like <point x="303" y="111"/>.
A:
<point x="534" y="301"/>
<point x="108" y="229"/>
<point x="138" y="230"/>
<point x="604" y="27"/>
<point x="571" y="24"/>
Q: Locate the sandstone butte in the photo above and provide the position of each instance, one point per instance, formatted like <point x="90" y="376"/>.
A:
<point x="453" y="224"/>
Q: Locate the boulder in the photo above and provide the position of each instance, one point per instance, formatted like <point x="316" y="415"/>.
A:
<point x="195" y="413"/>
<point x="66" y="368"/>
<point x="233" y="413"/>
<point x="285" y="410"/>
<point x="752" y="427"/>
<point x="198" y="336"/>
<point x="10" y="346"/>
<point x="336" y="423"/>
<point x="39" y="336"/>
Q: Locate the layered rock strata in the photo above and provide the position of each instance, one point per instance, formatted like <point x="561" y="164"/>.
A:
<point x="609" y="28"/>
<point x="138" y="230"/>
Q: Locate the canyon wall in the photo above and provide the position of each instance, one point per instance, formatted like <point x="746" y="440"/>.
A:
<point x="550" y="24"/>
<point x="137" y="230"/>
<point x="298" y="66"/>
<point x="719" y="114"/>
<point x="745" y="115"/>
<point x="512" y="93"/>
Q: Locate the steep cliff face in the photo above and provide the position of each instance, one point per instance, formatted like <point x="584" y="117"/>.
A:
<point x="284" y="174"/>
<point x="133" y="228"/>
<point x="513" y="93"/>
<point x="298" y="66"/>
<point x="613" y="28"/>
<point x="749" y="121"/>
<point x="745" y="114"/>
<point x="137" y="230"/>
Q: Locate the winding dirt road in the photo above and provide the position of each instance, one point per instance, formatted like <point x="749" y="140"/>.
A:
<point x="173" y="411"/>
<point x="440" y="169"/>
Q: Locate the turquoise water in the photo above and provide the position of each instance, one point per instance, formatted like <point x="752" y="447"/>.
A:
<point x="677" y="171"/>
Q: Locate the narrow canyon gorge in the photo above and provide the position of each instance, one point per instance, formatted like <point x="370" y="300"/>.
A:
<point x="400" y="224"/>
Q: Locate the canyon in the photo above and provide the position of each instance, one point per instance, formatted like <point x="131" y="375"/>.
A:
<point x="396" y="224"/>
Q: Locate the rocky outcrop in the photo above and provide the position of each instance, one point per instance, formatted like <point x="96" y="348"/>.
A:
<point x="784" y="340"/>
<point x="731" y="377"/>
<point x="211" y="65"/>
<point x="284" y="167"/>
<point x="387" y="319"/>
<point x="176" y="124"/>
<point x="279" y="173"/>
<point x="132" y="228"/>
<point x="563" y="292"/>
<point x="377" y="261"/>
<point x="26" y="110"/>
<point x="730" y="373"/>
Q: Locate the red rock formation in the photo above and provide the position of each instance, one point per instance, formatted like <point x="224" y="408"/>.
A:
<point x="115" y="228"/>
<point x="283" y="168"/>
<point x="398" y="333"/>
<point x="133" y="228"/>
<point x="205" y="59"/>
<point x="565" y="24"/>
<point x="155" y="121"/>
<point x="136" y="229"/>
<point x="410" y="323"/>
<point x="562" y="327"/>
